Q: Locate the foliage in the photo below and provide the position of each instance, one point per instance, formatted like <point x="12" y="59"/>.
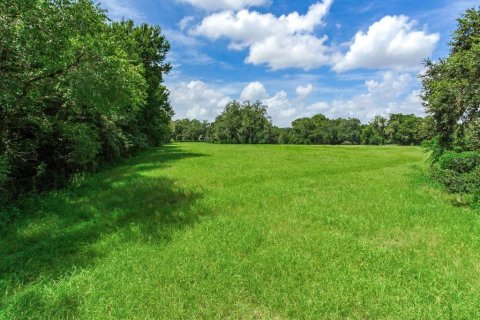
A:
<point x="451" y="86"/>
<point x="250" y="124"/>
<point x="459" y="172"/>
<point x="282" y="135"/>
<point x="404" y="129"/>
<point x="242" y="123"/>
<point x="458" y="182"/>
<point x="460" y="162"/>
<point x="401" y="129"/>
<point x="321" y="130"/>
<point x="451" y="95"/>
<point x="4" y="172"/>
<point x="76" y="91"/>
<point x="375" y="132"/>
<point x="186" y="130"/>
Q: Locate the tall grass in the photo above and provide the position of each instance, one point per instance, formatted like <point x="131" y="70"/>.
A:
<point x="198" y="231"/>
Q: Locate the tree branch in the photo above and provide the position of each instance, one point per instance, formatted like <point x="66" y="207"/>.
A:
<point x="51" y="75"/>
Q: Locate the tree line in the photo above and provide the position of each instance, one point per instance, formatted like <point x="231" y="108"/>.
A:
<point x="76" y="90"/>
<point x="249" y="123"/>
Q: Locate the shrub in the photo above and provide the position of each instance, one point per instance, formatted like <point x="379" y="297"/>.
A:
<point x="459" y="182"/>
<point x="459" y="162"/>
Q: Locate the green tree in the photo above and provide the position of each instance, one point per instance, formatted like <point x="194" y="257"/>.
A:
<point x="190" y="130"/>
<point x="302" y="131"/>
<point x="348" y="131"/>
<point x="75" y="90"/>
<point x="451" y="86"/>
<point x="404" y="129"/>
<point x="375" y="132"/>
<point x="321" y="130"/>
<point x="242" y="123"/>
<point x="149" y="45"/>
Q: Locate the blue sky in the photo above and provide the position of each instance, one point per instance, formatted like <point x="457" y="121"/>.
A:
<point x="342" y="58"/>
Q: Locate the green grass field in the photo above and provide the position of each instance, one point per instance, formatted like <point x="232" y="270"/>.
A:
<point x="199" y="231"/>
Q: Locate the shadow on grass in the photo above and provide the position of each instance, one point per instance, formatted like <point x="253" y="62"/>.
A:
<point x="64" y="230"/>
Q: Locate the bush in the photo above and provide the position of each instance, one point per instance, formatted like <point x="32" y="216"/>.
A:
<point x="459" y="162"/>
<point x="457" y="182"/>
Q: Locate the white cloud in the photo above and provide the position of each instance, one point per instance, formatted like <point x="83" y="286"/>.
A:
<point x="394" y="93"/>
<point x="391" y="43"/>
<point x="196" y="100"/>
<point x="118" y="9"/>
<point x="390" y="93"/>
<point x="289" y="41"/>
<point x="280" y="42"/>
<point x="317" y="107"/>
<point x="281" y="109"/>
<point x="226" y="4"/>
<point x="254" y="91"/>
<point x="185" y="22"/>
<point x="304" y="91"/>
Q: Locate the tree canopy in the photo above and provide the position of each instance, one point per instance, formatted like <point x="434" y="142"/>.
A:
<point x="76" y="90"/>
<point x="242" y="123"/>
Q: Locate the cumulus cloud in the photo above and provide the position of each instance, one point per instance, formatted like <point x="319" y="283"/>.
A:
<point x="290" y="41"/>
<point x="304" y="91"/>
<point x="280" y="42"/>
<point x="282" y="109"/>
<point x="196" y="100"/>
<point x="391" y="43"/>
<point x="394" y="93"/>
<point x="226" y="4"/>
<point x="391" y="92"/>
<point x="254" y="91"/>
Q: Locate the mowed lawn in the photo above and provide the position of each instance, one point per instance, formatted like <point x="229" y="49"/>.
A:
<point x="200" y="231"/>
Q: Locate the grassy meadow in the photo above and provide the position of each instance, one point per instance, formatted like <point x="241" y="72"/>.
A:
<point x="203" y="231"/>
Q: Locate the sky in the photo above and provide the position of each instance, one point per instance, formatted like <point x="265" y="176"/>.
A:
<point x="341" y="58"/>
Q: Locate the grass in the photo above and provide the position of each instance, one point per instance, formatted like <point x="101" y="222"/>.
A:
<point x="198" y="231"/>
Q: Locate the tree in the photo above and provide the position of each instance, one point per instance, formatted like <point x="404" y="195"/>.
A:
<point x="348" y="131"/>
<point x="321" y="130"/>
<point x="404" y="129"/>
<point x="75" y="91"/>
<point x="375" y="132"/>
<point x="302" y="131"/>
<point x="242" y="123"/>
<point x="451" y="85"/>
<point x="190" y="130"/>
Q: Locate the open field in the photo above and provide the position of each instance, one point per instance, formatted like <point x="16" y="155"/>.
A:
<point x="199" y="231"/>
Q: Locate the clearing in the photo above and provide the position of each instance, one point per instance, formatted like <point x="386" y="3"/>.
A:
<point x="202" y="231"/>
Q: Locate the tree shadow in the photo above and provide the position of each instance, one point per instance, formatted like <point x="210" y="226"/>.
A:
<point x="68" y="229"/>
